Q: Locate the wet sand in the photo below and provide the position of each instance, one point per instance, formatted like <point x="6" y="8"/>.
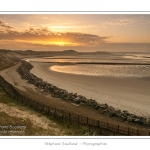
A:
<point x="131" y="94"/>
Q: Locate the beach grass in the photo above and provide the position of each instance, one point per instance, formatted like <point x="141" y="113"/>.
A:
<point x="55" y="127"/>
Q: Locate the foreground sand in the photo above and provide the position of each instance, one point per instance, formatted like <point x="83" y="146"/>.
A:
<point x="131" y="94"/>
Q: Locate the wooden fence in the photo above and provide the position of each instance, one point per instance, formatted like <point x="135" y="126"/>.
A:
<point x="97" y="126"/>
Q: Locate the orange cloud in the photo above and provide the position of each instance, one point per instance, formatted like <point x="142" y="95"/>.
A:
<point x="4" y="25"/>
<point x="47" y="37"/>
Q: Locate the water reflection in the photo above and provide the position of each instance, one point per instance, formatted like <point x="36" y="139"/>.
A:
<point x="104" y="70"/>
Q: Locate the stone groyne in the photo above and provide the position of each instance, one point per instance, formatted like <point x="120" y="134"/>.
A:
<point x="24" y="71"/>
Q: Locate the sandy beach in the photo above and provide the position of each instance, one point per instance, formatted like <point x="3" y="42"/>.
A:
<point x="131" y="94"/>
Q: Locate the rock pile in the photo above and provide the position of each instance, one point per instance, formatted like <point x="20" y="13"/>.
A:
<point x="24" y="71"/>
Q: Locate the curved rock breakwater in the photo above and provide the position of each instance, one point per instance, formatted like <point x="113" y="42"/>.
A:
<point x="24" y="71"/>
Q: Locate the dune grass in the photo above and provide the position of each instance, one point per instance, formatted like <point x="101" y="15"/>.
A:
<point x="55" y="127"/>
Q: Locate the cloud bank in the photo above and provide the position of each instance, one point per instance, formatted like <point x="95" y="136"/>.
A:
<point x="46" y="37"/>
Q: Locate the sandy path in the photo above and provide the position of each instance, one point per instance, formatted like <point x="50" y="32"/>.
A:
<point x="14" y="78"/>
<point x="130" y="94"/>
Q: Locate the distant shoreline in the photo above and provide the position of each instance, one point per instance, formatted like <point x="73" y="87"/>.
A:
<point x="99" y="63"/>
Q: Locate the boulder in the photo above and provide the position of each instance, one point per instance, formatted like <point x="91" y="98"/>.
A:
<point x="77" y="100"/>
<point x="130" y="119"/>
<point x="136" y="120"/>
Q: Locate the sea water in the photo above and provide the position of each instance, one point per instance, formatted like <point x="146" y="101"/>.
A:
<point x="101" y="65"/>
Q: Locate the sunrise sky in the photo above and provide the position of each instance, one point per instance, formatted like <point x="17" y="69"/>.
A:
<point x="81" y="32"/>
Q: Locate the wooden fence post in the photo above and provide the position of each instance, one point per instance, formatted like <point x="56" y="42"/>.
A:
<point x="33" y="104"/>
<point x="128" y="131"/>
<point x="107" y="125"/>
<point x="98" y="123"/>
<point x="48" y="110"/>
<point x="118" y="128"/>
<point x="137" y="132"/>
<point x="42" y="108"/>
<point x="78" y="121"/>
<point x="69" y="118"/>
<point x="54" y="115"/>
<point x="45" y="108"/>
<point x="29" y="101"/>
<point x="37" y="106"/>
<point x="25" y="100"/>
<point x="97" y="127"/>
<point x="62" y="115"/>
<point x="87" y="120"/>
<point x="21" y="99"/>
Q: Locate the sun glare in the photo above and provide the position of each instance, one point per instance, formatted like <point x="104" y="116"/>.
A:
<point x="60" y="43"/>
